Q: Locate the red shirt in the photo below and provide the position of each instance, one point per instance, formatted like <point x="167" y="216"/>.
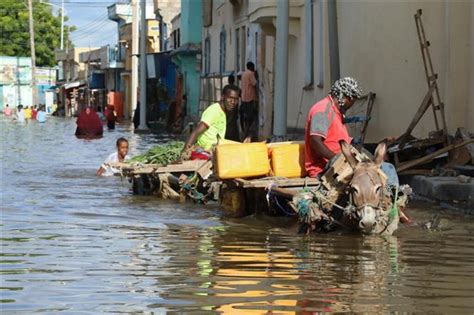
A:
<point x="34" y="112"/>
<point x="325" y="120"/>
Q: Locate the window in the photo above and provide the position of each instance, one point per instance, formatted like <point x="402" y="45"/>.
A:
<point x="173" y="36"/>
<point x="243" y="49"/>
<point x="222" y="50"/>
<point x="207" y="55"/>
<point x="178" y="38"/>
<point x="237" y="50"/>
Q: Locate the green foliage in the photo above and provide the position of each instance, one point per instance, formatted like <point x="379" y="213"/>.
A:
<point x="162" y="154"/>
<point x="15" y="36"/>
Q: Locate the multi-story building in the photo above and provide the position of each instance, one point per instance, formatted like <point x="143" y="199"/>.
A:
<point x="186" y="54"/>
<point x="375" y="42"/>
<point x="122" y="14"/>
<point x="165" y="11"/>
<point x="103" y="68"/>
<point x="71" y="80"/>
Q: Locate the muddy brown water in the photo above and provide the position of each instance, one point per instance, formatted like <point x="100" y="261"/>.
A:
<point x="74" y="243"/>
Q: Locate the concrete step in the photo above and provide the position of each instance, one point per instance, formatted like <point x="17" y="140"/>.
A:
<point x="443" y="189"/>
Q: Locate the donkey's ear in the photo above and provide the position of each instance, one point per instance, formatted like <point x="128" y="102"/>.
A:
<point x="380" y="153"/>
<point x="346" y="151"/>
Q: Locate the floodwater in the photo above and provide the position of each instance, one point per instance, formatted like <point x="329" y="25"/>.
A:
<point x="74" y="243"/>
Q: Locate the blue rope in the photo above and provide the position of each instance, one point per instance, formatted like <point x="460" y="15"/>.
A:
<point x="282" y="208"/>
<point x="303" y="207"/>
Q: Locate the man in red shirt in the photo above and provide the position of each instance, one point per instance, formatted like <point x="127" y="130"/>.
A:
<point x="325" y="125"/>
<point x="248" y="106"/>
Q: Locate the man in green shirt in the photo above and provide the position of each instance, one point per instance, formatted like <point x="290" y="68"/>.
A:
<point x="213" y="120"/>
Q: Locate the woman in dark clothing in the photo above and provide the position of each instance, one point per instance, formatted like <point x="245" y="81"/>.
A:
<point x="88" y="124"/>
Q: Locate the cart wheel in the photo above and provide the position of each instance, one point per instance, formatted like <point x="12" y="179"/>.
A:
<point x="141" y="185"/>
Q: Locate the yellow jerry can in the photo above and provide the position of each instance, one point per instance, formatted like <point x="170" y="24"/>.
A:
<point x="241" y="160"/>
<point x="288" y="159"/>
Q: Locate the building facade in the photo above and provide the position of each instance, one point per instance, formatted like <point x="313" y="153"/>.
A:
<point x="375" y="42"/>
<point x="187" y="55"/>
<point x="16" y="79"/>
<point x="71" y="80"/>
<point x="103" y="72"/>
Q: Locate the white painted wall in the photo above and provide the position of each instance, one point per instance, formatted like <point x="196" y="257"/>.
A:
<point x="379" y="46"/>
<point x="470" y="115"/>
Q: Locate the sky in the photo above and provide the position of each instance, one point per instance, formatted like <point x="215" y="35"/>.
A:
<point x="94" y="29"/>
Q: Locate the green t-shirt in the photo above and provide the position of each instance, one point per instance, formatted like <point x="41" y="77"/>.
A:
<point x="214" y="117"/>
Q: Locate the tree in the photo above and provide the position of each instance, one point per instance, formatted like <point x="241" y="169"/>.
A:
<point x="14" y="31"/>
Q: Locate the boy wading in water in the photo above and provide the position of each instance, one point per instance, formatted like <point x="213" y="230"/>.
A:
<point x="119" y="156"/>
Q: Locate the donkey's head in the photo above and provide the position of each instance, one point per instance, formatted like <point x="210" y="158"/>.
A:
<point x="366" y="188"/>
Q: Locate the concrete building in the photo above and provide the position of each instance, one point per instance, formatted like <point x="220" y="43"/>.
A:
<point x="71" y="80"/>
<point x="122" y="14"/>
<point x="71" y="68"/>
<point x="104" y="83"/>
<point x="15" y="81"/>
<point x="187" y="55"/>
<point x="375" y="42"/>
<point x="165" y="11"/>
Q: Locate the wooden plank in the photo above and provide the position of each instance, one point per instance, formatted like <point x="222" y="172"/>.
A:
<point x="186" y="166"/>
<point x="415" y="171"/>
<point x="427" y="100"/>
<point x="265" y="182"/>
<point x="370" y="105"/>
<point x="205" y="170"/>
<point x="429" y="157"/>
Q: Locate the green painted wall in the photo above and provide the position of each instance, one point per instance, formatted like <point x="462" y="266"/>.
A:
<point x="188" y="65"/>
<point x="191" y="21"/>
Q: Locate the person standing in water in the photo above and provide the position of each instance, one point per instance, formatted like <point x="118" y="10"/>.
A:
<point x="88" y="124"/>
<point x="7" y="111"/>
<point x="111" y="117"/>
<point x="20" y="114"/>
<point x="41" y="115"/>
<point x="27" y="112"/>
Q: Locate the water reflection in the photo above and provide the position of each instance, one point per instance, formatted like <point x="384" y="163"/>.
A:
<point x="72" y="242"/>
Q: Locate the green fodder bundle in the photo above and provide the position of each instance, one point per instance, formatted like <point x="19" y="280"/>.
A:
<point x="161" y="154"/>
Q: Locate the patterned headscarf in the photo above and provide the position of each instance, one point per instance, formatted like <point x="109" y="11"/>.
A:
<point x="345" y="87"/>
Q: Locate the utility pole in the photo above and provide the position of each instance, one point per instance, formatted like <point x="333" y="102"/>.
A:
<point x="33" y="54"/>
<point x="62" y="24"/>
<point x="143" y="34"/>
<point x="135" y="32"/>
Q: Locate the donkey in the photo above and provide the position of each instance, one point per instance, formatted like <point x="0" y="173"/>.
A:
<point x="370" y="209"/>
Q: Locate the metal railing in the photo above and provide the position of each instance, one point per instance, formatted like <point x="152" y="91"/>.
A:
<point x="211" y="88"/>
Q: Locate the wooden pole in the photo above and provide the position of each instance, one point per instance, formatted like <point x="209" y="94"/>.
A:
<point x="429" y="157"/>
<point x="33" y="54"/>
